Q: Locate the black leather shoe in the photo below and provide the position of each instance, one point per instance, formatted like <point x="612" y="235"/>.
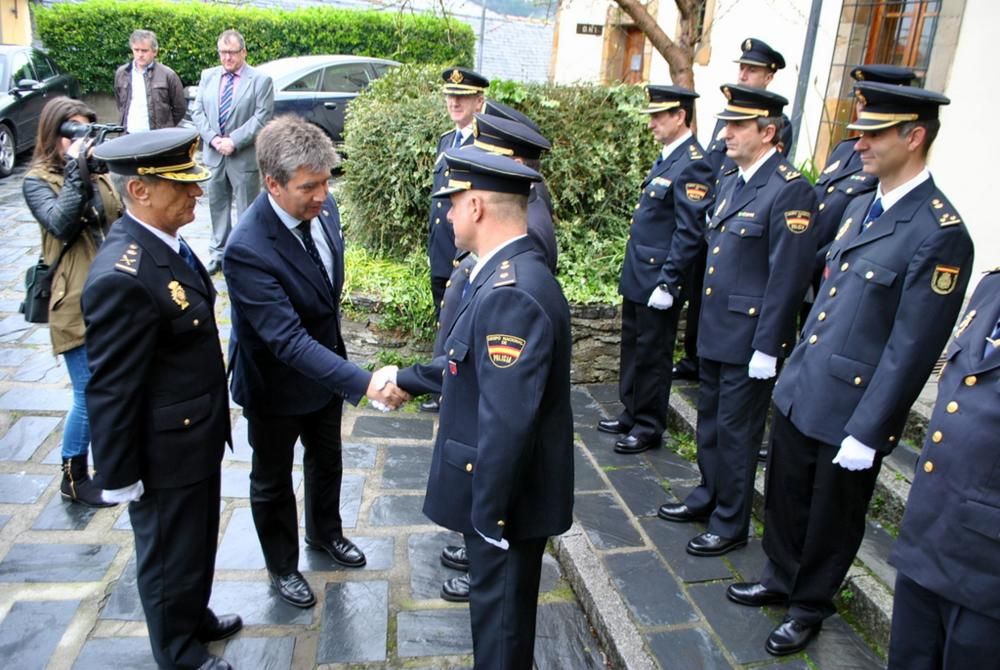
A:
<point x="430" y="405"/>
<point x="686" y="369"/>
<point x="680" y="513"/>
<point x="341" y="550"/>
<point x="293" y="589"/>
<point x="612" y="426"/>
<point x="790" y="637"/>
<point x="456" y="589"/>
<point x="710" y="544"/>
<point x="762" y="455"/>
<point x="630" y="444"/>
<point x="215" y="663"/>
<point x="214" y="266"/>
<point x="754" y="594"/>
<point x="455" y="558"/>
<point x="223" y="627"/>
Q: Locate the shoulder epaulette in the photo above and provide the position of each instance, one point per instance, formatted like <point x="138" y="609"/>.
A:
<point x="792" y="174"/>
<point x="129" y="262"/>
<point x="695" y="152"/>
<point x="447" y="132"/>
<point x="731" y="171"/>
<point x="505" y="274"/>
<point x="944" y="213"/>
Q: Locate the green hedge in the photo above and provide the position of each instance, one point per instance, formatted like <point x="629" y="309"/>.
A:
<point x="601" y="152"/>
<point x="90" y="39"/>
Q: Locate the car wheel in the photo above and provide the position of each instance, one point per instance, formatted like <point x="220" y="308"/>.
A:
<point x="7" y="150"/>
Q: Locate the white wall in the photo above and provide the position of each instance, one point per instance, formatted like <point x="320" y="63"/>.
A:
<point x="578" y="57"/>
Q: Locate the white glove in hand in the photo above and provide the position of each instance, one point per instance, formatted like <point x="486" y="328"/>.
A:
<point x="124" y="494"/>
<point x="502" y="543"/>
<point x="380" y="378"/>
<point x="854" y="455"/>
<point x="762" y="366"/>
<point x="660" y="299"/>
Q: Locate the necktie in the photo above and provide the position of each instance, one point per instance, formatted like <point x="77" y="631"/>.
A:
<point x="873" y="213"/>
<point x="226" y="101"/>
<point x="313" y="252"/>
<point x="993" y="342"/>
<point x="188" y="256"/>
<point x="457" y="140"/>
<point x="740" y="183"/>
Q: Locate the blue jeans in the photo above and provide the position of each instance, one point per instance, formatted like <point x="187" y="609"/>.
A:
<point x="76" y="428"/>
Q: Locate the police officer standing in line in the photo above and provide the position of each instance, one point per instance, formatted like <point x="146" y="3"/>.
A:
<point x="758" y="63"/>
<point x="494" y="108"/>
<point x="759" y="263"/>
<point x="666" y="233"/>
<point x="947" y="613"/>
<point x="157" y="400"/>
<point x="892" y="288"/>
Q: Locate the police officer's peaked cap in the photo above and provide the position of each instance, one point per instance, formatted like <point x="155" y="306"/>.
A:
<point x="474" y="169"/>
<point x="746" y="102"/>
<point x="461" y="81"/>
<point x="758" y="52"/>
<point x="494" y="108"/>
<point x="663" y="98"/>
<point x="887" y="74"/>
<point x="167" y="153"/>
<point x="508" y="138"/>
<point x="887" y="105"/>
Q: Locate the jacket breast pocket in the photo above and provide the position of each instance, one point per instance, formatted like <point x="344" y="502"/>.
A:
<point x="855" y="373"/>
<point x="651" y="255"/>
<point x="981" y="518"/>
<point x="182" y="415"/>
<point x="873" y="272"/>
<point x="459" y="455"/>
<point x="745" y="304"/>
<point x="196" y="318"/>
<point x="657" y="191"/>
<point x="745" y="228"/>
<point x="161" y="93"/>
<point x="456" y="349"/>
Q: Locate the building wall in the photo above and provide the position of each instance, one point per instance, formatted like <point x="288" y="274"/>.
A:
<point x="576" y="57"/>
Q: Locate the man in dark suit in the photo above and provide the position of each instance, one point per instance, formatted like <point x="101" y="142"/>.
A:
<point x="761" y="253"/>
<point x="947" y="614"/>
<point x="463" y="95"/>
<point x="157" y="400"/>
<point x="666" y="235"/>
<point x="284" y="265"/>
<point x="893" y="285"/>
<point x="502" y="469"/>
<point x="234" y="102"/>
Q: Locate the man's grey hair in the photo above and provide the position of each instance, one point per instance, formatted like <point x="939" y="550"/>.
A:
<point x="144" y="36"/>
<point x="120" y="182"/>
<point x="289" y="142"/>
<point x="232" y="35"/>
<point x="778" y="122"/>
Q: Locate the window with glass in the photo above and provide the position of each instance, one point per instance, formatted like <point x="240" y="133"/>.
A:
<point x="345" y="78"/>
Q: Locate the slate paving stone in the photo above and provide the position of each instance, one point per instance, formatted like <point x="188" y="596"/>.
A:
<point x="794" y="664"/>
<point x="56" y="562"/>
<point x="4" y="518"/>
<point x="838" y="646"/>
<point x="61" y="514"/>
<point x="13" y="327"/>
<point x="688" y="648"/>
<point x="378" y="556"/>
<point x="602" y="448"/>
<point x="640" y="488"/>
<point x="670" y="539"/>
<point x="603" y="393"/>
<point x="585" y="475"/>
<point x="355" y="623"/>
<point x="25" y="436"/>
<point x="586" y="410"/>
<point x="257" y="604"/>
<point x="358" y="456"/>
<point x="23" y="489"/>
<point x="351" y="489"/>
<point x="123" y="604"/>
<point x="874" y="551"/>
<point x="551" y="573"/>
<point x="55" y="456"/>
<point x="670" y="465"/>
<point x="652" y="594"/>
<point x="689" y="392"/>
<point x="399" y="510"/>
<point x="31" y="630"/>
<point x="433" y="633"/>
<point x="42" y="368"/>
<point x="426" y="571"/>
<point x="406" y="467"/>
<point x="742" y="630"/>
<point x="240" y="549"/>
<point x="749" y="563"/>
<point x="38" y="336"/>
<point x="31" y="399"/>
<point x="260" y="653"/>
<point x="13" y="356"/>
<point x="393" y="427"/>
<point x="236" y="482"/>
<point x="606" y="523"/>
<point x="120" y="653"/>
<point x="563" y="639"/>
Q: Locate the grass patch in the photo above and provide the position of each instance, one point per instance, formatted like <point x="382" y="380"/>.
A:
<point x="684" y="445"/>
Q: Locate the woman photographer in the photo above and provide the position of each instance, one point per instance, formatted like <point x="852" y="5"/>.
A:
<point x="74" y="209"/>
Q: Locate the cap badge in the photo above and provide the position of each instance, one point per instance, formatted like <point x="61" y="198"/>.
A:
<point x="861" y="98"/>
<point x="456" y="77"/>
<point x="748" y="45"/>
<point x="726" y="92"/>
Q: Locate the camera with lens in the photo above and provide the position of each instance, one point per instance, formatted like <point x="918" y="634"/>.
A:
<point x="96" y="132"/>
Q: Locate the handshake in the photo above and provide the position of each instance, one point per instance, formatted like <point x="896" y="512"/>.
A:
<point x="382" y="391"/>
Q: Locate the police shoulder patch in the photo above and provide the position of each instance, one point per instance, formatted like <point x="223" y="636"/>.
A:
<point x="798" y="220"/>
<point x="505" y="274"/>
<point x="504" y="350"/>
<point x="944" y="279"/>
<point x="695" y="191"/>
<point x="129" y="262"/>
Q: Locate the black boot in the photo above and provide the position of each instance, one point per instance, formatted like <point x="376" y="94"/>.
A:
<point x="77" y="485"/>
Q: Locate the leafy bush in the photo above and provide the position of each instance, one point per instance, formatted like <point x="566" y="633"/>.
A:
<point x="90" y="39"/>
<point x="601" y="152"/>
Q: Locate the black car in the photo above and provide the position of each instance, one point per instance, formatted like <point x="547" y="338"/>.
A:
<point x="28" y="80"/>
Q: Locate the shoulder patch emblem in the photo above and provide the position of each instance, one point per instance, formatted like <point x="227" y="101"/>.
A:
<point x="505" y="275"/>
<point x="966" y="320"/>
<point x="504" y="350"/>
<point x="798" y="220"/>
<point x="696" y="192"/>
<point x="832" y="166"/>
<point x="177" y="294"/>
<point x="944" y="279"/>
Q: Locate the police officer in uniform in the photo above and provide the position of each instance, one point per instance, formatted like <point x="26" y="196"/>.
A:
<point x="758" y="64"/>
<point x="494" y="108"/>
<point x="893" y="286"/>
<point x="760" y="258"/>
<point x="664" y="239"/>
<point x="157" y="400"/>
<point x="502" y="469"/>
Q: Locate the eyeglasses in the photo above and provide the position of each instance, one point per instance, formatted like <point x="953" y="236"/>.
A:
<point x="224" y="52"/>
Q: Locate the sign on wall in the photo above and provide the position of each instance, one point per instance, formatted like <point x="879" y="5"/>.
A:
<point x="589" y="29"/>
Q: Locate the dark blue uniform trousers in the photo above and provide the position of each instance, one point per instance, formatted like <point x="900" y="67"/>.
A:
<point x="503" y="601"/>
<point x="644" y="379"/>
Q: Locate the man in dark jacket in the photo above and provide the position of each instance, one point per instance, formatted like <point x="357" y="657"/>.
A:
<point x="149" y="94"/>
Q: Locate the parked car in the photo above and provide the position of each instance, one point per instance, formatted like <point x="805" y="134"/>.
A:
<point x="28" y="80"/>
<point x="318" y="88"/>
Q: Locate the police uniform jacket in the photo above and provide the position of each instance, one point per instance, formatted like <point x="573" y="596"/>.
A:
<point x="889" y="297"/>
<point x="541" y="230"/>
<point x="721" y="163"/>
<point x="841" y="181"/>
<point x="667" y="224"/>
<point x="949" y="539"/>
<point x="440" y="233"/>
<point x="454" y="288"/>
<point x="157" y="400"/>
<point x="760" y="255"/>
<point x="503" y="461"/>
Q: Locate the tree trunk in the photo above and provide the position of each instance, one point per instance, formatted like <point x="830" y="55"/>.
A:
<point x="678" y="52"/>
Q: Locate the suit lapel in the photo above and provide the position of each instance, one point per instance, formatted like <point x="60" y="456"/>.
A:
<point x="664" y="165"/>
<point x="334" y="237"/>
<point x="901" y="212"/>
<point x="212" y="97"/>
<point x="289" y="247"/>
<point x="242" y="90"/>
<point x="749" y="191"/>
<point x="978" y="333"/>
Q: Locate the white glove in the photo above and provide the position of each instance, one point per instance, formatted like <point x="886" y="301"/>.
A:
<point x="853" y="455"/>
<point x="124" y="494"/>
<point x="762" y="366"/>
<point x="381" y="377"/>
<point x="660" y="299"/>
<point x="502" y="543"/>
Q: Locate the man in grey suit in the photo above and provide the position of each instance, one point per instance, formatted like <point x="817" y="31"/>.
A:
<point x="233" y="104"/>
